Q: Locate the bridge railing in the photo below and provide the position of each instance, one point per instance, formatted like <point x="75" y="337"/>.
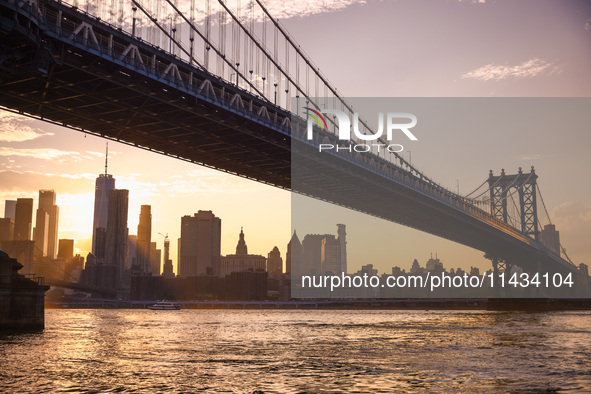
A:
<point x="39" y="280"/>
<point x="112" y="42"/>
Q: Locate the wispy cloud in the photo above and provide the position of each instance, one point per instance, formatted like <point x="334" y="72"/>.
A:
<point x="86" y="175"/>
<point x="201" y="180"/>
<point x="61" y="156"/>
<point x="534" y="156"/>
<point x="573" y="219"/>
<point x="303" y="8"/>
<point x="15" y="182"/>
<point x="95" y="154"/>
<point x="527" y="69"/>
<point x="16" y="128"/>
<point x="102" y="154"/>
<point x="573" y="210"/>
<point x="39" y="153"/>
<point x="280" y="9"/>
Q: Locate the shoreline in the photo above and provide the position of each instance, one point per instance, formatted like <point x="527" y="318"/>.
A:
<point x="493" y="304"/>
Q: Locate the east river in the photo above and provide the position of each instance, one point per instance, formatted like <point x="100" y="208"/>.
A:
<point x="279" y="351"/>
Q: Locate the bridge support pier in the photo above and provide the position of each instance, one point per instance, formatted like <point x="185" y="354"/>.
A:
<point x="538" y="291"/>
<point x="500" y="266"/>
<point x="497" y="282"/>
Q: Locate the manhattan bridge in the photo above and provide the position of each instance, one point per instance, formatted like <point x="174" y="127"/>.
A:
<point x="214" y="83"/>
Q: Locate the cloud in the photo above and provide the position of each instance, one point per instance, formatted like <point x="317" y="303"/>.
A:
<point x="95" y="154"/>
<point x="534" y="156"/>
<point x="86" y="175"/>
<point x="588" y="24"/>
<point x="40" y="153"/>
<point x="102" y="154"/>
<point x="280" y="9"/>
<point x="527" y="69"/>
<point x="573" y="212"/>
<point x="15" y="184"/>
<point x="15" y="128"/>
<point x="201" y="180"/>
<point x="304" y="8"/>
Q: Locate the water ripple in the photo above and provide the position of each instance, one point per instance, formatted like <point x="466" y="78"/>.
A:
<point x="98" y="351"/>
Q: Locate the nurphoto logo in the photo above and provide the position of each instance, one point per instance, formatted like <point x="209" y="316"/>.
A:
<point x="395" y="121"/>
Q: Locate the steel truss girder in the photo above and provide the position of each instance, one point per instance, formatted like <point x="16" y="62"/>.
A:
<point x="503" y="186"/>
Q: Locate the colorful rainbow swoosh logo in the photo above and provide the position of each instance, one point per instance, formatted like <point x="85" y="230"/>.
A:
<point x="315" y="115"/>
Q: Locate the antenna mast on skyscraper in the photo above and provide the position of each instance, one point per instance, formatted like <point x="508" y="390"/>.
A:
<point x="106" y="157"/>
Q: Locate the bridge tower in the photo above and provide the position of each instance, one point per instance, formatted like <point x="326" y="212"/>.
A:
<point x="503" y="186"/>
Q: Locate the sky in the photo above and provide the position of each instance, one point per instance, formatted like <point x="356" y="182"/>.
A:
<point x="439" y="48"/>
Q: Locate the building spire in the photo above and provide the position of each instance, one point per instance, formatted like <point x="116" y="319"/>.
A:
<point x="241" y="248"/>
<point x="106" y="157"/>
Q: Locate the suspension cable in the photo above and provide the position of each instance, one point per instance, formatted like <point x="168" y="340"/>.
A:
<point x="475" y="190"/>
<point x="543" y="203"/>
<point x="516" y="210"/>
<point x="232" y="66"/>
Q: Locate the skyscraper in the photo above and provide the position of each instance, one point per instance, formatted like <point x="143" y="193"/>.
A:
<point x="311" y="263"/>
<point x="104" y="184"/>
<point x="23" y="221"/>
<point x="294" y="255"/>
<point x="274" y="262"/>
<point x="323" y="253"/>
<point x="41" y="232"/>
<point x="342" y="238"/>
<point x="117" y="232"/>
<point x="167" y="268"/>
<point x="101" y="243"/>
<point x="46" y="238"/>
<point x="200" y="245"/>
<point x="66" y="249"/>
<point x="132" y="253"/>
<point x="155" y="259"/>
<point x="144" y="240"/>
<point x="102" y="189"/>
<point x="551" y="238"/>
<point x="10" y="209"/>
<point x="334" y="252"/>
<point x="6" y="229"/>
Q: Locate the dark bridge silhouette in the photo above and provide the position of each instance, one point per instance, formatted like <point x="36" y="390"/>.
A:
<point x="67" y="67"/>
<point x="64" y="284"/>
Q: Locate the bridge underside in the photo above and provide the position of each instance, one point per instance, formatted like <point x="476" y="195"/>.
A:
<point x="85" y="90"/>
<point x="82" y="89"/>
<point x="81" y="287"/>
<point x="121" y="107"/>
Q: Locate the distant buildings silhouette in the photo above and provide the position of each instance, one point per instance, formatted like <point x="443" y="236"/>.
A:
<point x="133" y="266"/>
<point x="318" y="254"/>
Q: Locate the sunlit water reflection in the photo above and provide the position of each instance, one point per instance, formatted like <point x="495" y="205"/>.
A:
<point x="299" y="351"/>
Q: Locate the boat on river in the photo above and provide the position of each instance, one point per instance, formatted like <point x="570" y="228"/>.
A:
<point x="165" y="306"/>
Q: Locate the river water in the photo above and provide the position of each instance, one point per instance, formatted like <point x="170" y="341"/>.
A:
<point x="299" y="351"/>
